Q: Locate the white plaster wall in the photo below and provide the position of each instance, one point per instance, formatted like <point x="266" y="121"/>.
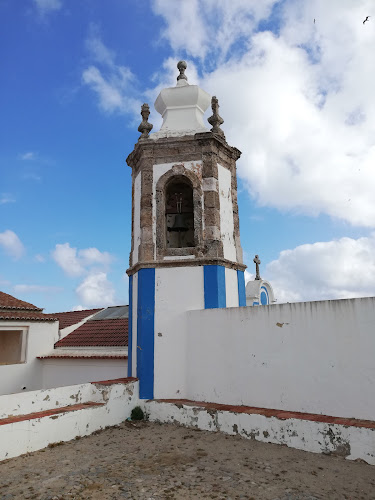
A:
<point x="226" y="213"/>
<point x="29" y="435"/>
<point x="41" y="337"/>
<point x="313" y="357"/>
<point x="134" y="325"/>
<point x="137" y="216"/>
<point x="158" y="171"/>
<point x="231" y="288"/>
<point x="176" y="290"/>
<point x="66" y="371"/>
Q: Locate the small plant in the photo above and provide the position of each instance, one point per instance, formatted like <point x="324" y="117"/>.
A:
<point x="137" y="413"/>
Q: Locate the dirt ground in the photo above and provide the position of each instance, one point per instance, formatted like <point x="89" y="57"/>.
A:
<point x="145" y="460"/>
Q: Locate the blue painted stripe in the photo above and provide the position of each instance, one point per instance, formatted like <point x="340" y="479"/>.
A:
<point x="264" y="291"/>
<point x="145" y="332"/>
<point x="241" y="288"/>
<point x="130" y="327"/>
<point x="214" y="287"/>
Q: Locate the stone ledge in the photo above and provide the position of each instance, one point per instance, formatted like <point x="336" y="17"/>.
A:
<point x="114" y="381"/>
<point x="48" y="413"/>
<point x="268" y="412"/>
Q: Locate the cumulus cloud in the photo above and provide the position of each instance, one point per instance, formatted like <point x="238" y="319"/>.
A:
<point x="30" y="155"/>
<point x="36" y="288"/>
<point x="6" y="198"/>
<point x="11" y="244"/>
<point x="77" y="262"/>
<point x="297" y="101"/>
<point x="46" y="6"/>
<point x="96" y="291"/>
<point x="325" y="270"/>
<point x="112" y="83"/>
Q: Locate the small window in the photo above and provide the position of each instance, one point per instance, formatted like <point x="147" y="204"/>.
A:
<point x="179" y="214"/>
<point x="12" y="347"/>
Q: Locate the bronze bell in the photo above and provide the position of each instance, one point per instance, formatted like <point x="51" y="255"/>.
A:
<point x="179" y="223"/>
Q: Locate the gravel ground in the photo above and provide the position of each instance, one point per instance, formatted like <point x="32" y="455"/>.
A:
<point x="145" y="460"/>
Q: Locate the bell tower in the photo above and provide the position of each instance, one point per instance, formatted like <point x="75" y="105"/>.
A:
<point x="185" y="251"/>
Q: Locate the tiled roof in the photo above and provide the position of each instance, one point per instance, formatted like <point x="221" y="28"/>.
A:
<point x="26" y="315"/>
<point x="72" y="317"/>
<point x="106" y="332"/>
<point x="89" y="353"/>
<point x="9" y="302"/>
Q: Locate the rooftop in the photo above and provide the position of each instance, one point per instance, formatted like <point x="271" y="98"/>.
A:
<point x="9" y="302"/>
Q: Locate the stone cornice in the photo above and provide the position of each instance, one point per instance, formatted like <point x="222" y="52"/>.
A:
<point x="186" y="263"/>
<point x="152" y="148"/>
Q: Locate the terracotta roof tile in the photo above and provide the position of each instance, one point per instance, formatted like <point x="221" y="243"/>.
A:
<point x="105" y="332"/>
<point x="26" y="315"/>
<point x="9" y="302"/>
<point x="72" y="317"/>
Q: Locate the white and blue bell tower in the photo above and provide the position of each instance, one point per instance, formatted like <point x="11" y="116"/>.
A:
<point x="185" y="252"/>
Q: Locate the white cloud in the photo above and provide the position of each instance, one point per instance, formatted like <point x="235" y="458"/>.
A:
<point x="11" y="244"/>
<point x="30" y="155"/>
<point x="325" y="270"/>
<point x="39" y="258"/>
<point x="77" y="262"/>
<point x="66" y="257"/>
<point x="96" y="291"/>
<point x="6" y="198"/>
<point x="299" y="104"/>
<point x="112" y="83"/>
<point x="46" y="6"/>
<point x="36" y="288"/>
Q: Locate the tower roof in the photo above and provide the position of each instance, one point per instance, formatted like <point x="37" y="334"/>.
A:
<point x="182" y="108"/>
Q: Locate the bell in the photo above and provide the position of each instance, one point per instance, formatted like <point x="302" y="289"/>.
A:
<point x="179" y="223"/>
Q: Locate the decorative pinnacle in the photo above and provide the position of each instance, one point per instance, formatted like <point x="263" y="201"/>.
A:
<point x="215" y="120"/>
<point x="181" y="65"/>
<point x="145" y="127"/>
<point x="257" y="262"/>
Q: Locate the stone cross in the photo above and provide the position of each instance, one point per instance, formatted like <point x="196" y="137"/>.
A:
<point x="257" y="263"/>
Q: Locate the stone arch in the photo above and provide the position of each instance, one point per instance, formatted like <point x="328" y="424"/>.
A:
<point x="178" y="172"/>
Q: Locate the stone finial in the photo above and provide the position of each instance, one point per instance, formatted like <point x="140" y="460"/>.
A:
<point x="257" y="263"/>
<point x="145" y="127"/>
<point x="181" y="65"/>
<point x="215" y="120"/>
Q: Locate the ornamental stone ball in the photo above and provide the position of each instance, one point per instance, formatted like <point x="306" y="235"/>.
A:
<point x="181" y="66"/>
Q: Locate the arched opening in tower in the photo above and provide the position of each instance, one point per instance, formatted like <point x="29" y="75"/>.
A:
<point x="179" y="213"/>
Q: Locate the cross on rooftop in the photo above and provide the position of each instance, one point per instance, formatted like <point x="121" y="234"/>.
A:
<point x="257" y="262"/>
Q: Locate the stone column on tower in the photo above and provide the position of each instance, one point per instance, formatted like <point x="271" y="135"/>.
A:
<point x="185" y="251"/>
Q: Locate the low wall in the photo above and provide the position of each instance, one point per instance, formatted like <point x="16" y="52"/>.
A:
<point x="315" y="357"/>
<point x="31" y="434"/>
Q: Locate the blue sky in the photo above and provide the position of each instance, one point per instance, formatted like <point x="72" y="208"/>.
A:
<point x="296" y="98"/>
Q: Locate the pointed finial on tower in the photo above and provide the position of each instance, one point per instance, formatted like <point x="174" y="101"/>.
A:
<point x="181" y="65"/>
<point x="145" y="127"/>
<point x="215" y="120"/>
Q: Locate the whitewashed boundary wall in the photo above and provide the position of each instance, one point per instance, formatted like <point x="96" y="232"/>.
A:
<point x="318" y="437"/>
<point x="59" y="372"/>
<point x="311" y="357"/>
<point x="19" y="437"/>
